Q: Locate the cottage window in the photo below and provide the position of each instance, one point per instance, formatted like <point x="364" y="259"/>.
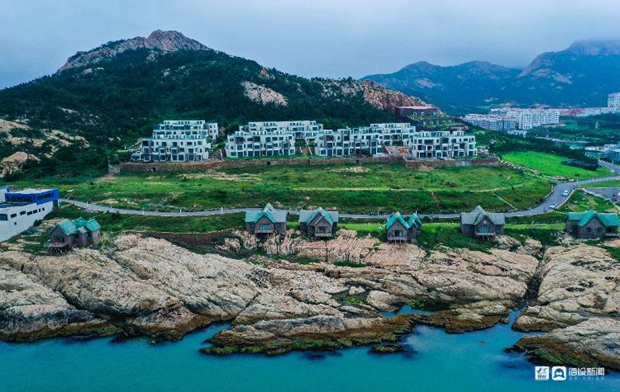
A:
<point x="265" y="227"/>
<point x="599" y="230"/>
<point x="4" y="217"/>
<point x="588" y="230"/>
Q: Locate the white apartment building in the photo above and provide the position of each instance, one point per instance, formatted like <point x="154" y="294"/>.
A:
<point x="613" y="100"/>
<point x="19" y="211"/>
<point x="213" y="130"/>
<point x="492" y="122"/>
<point x="278" y="139"/>
<point x="442" y="145"/>
<point x="530" y="118"/>
<point x="305" y="130"/>
<point x="260" y="143"/>
<point x="178" y="141"/>
<point x="348" y="142"/>
<point x="363" y="140"/>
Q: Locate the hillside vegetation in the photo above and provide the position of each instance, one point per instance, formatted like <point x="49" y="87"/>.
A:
<point x="113" y="95"/>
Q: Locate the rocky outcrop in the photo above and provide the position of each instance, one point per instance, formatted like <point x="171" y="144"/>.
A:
<point x="578" y="283"/>
<point x="29" y="311"/>
<point x="474" y="290"/>
<point x="594" y="342"/>
<point x="263" y="95"/>
<point x="91" y="281"/>
<point x="14" y="163"/>
<point x="376" y="95"/>
<point x="158" y="41"/>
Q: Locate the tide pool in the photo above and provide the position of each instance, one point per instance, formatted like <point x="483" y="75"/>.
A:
<point x="437" y="362"/>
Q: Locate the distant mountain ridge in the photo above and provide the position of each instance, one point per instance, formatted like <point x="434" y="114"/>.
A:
<point x="112" y="95"/>
<point x="581" y="75"/>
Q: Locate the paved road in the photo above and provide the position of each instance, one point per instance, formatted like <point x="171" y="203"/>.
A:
<point x="555" y="197"/>
<point x="612" y="194"/>
<point x="614" y="168"/>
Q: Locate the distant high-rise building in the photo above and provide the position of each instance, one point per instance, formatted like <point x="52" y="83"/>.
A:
<point x="613" y="100"/>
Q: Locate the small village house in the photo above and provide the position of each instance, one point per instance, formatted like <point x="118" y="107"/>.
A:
<point x="591" y="224"/>
<point x="399" y="229"/>
<point x="266" y="221"/>
<point x="482" y="224"/>
<point x="76" y="233"/>
<point x="318" y="223"/>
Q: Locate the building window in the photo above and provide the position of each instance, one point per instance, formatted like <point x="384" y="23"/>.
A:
<point x="265" y="227"/>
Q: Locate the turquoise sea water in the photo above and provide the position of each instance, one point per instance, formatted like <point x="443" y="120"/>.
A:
<point x="437" y="362"/>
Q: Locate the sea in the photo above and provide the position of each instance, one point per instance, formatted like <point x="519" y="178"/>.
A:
<point x="435" y="361"/>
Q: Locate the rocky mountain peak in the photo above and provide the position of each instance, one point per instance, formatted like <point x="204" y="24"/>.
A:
<point x="157" y="41"/>
<point x="596" y="47"/>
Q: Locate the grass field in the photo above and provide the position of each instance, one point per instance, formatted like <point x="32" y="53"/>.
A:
<point x="357" y="189"/>
<point x="114" y="223"/>
<point x="581" y="201"/>
<point x="551" y="165"/>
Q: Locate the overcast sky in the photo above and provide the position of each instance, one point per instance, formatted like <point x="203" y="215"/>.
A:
<point x="331" y="38"/>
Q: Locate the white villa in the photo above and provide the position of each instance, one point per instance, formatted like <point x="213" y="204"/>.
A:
<point x="178" y="141"/>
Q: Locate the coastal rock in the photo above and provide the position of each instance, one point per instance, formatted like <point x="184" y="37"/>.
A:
<point x="30" y="311"/>
<point x="594" y="342"/>
<point x="209" y="285"/>
<point x="578" y="282"/>
<point x="91" y="281"/>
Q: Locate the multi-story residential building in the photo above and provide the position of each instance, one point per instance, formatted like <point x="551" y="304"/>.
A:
<point x="304" y="130"/>
<point x="493" y="122"/>
<point x="364" y="140"/>
<point x="178" y="141"/>
<point x="530" y="118"/>
<point x="21" y="210"/>
<point x="212" y="129"/>
<point x="278" y="139"/>
<point x="613" y="100"/>
<point x="442" y="145"/>
<point x="260" y="143"/>
<point x="348" y="142"/>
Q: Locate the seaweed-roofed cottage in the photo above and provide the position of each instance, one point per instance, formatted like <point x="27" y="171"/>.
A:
<point x="480" y="223"/>
<point x="79" y="232"/>
<point x="591" y="224"/>
<point x="399" y="229"/>
<point x="318" y="223"/>
<point x="266" y="221"/>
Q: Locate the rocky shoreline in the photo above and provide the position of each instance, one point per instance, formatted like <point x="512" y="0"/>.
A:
<point x="150" y="287"/>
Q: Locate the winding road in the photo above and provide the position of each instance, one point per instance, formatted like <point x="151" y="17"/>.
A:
<point x="555" y="197"/>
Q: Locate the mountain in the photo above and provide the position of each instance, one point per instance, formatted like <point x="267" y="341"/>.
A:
<point x="451" y="87"/>
<point x="581" y="75"/>
<point x="104" y="99"/>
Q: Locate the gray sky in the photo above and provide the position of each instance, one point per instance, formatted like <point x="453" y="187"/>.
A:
<point x="306" y="37"/>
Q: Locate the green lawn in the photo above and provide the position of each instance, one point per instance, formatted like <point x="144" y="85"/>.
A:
<point x="551" y="165"/>
<point x="581" y="201"/>
<point x="114" y="223"/>
<point x="380" y="187"/>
